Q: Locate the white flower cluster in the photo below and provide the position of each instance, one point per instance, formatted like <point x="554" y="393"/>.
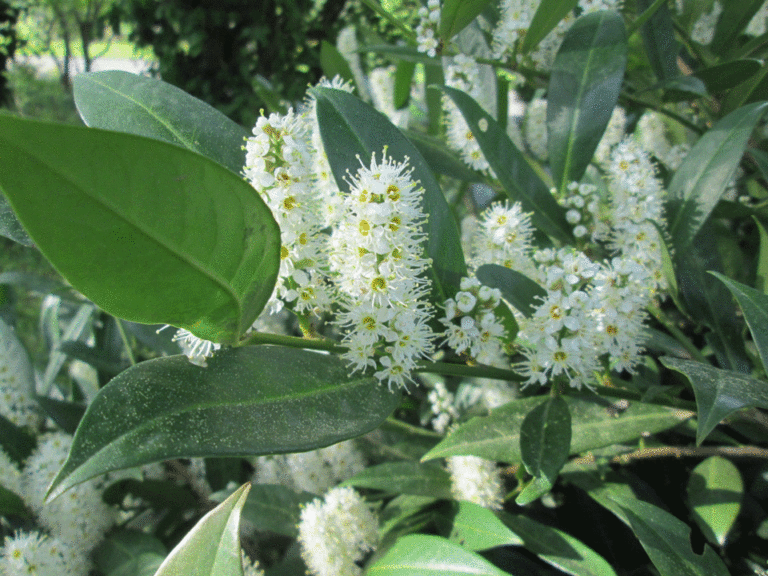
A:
<point x="703" y="30"/>
<point x="250" y="567"/>
<point x="476" y="480"/>
<point x="35" y="554"/>
<point x="336" y="533"/>
<point x="315" y="471"/>
<point x="585" y="212"/>
<point x="17" y="381"/>
<point x="376" y="251"/>
<point x="426" y="30"/>
<point x="651" y="134"/>
<point x="472" y="327"/>
<point x="535" y="128"/>
<point x="442" y="404"/>
<point x="504" y="237"/>
<point x="613" y="134"/>
<point x="194" y="348"/>
<point x="756" y="26"/>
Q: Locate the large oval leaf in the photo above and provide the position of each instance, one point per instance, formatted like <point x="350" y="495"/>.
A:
<point x="520" y="181"/>
<point x="545" y="438"/>
<point x="124" y="102"/>
<point x="583" y="90"/>
<point x="715" y="491"/>
<point x="497" y="436"/>
<point x="706" y="171"/>
<point x="250" y="400"/>
<point x="212" y="547"/>
<point x="148" y="231"/>
<point x="350" y="129"/>
<point x="423" y="555"/>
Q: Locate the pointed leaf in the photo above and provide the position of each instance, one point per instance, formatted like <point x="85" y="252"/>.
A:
<point x="333" y="63"/>
<point x="547" y="16"/>
<point x="520" y="181"/>
<point x="212" y="547"/>
<point x="477" y="528"/>
<point x="715" y="490"/>
<point x="275" y="508"/>
<point x="11" y="503"/>
<point x="403" y="78"/>
<point x="761" y="280"/>
<point x="725" y="76"/>
<point x="534" y="490"/>
<point x="148" y="231"/>
<point x="583" y="90"/>
<point x="455" y="15"/>
<point x="351" y="128"/>
<point x="440" y="159"/>
<point x="121" y="552"/>
<point x="659" y="40"/>
<point x="497" y="436"/>
<point x="719" y="393"/>
<point x="249" y="401"/>
<point x="754" y="305"/>
<point x="557" y="548"/>
<point x="516" y="288"/>
<point x="423" y="555"/>
<point x="545" y="438"/>
<point x="405" y="478"/>
<point x="706" y="171"/>
<point x="10" y="227"/>
<point x="67" y="415"/>
<point x="732" y="22"/>
<point x="124" y="102"/>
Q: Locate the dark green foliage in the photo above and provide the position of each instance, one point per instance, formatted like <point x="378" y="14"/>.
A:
<point x="8" y="43"/>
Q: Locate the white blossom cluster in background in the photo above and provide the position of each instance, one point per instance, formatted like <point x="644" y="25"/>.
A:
<point x="426" y="30"/>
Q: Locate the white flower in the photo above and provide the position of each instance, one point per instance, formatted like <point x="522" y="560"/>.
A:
<point x="194" y="348"/>
<point x="31" y="553"/>
<point x="476" y="480"/>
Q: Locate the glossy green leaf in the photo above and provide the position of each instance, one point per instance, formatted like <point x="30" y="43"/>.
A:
<point x="455" y="15"/>
<point x="557" y="548"/>
<point x="706" y="171"/>
<point x="732" y="22"/>
<point x="659" y="41"/>
<point x="248" y="401"/>
<point x="725" y="76"/>
<point x="477" y="528"/>
<point x="405" y="477"/>
<point x="583" y="91"/>
<point x="10" y="227"/>
<point x="440" y="159"/>
<point x="719" y="393"/>
<point x="754" y="306"/>
<point x="665" y="538"/>
<point x="547" y="16"/>
<point x="533" y="490"/>
<point x="333" y="63"/>
<point x="761" y="274"/>
<point x="275" y="508"/>
<point x="497" y="436"/>
<point x="67" y="415"/>
<point x="425" y="555"/>
<point x="715" y="490"/>
<point x="545" y="438"/>
<point x="402" y="513"/>
<point x="403" y="78"/>
<point x="148" y="231"/>
<point x="124" y="102"/>
<point x="351" y="128"/>
<point x="212" y="547"/>
<point x="516" y="288"/>
<point x="520" y="181"/>
<point x="126" y="551"/>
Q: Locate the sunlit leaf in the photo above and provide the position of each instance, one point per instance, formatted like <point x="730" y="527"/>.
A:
<point x="719" y="393"/>
<point x="403" y="78"/>
<point x="404" y="477"/>
<point x="248" y="401"/>
<point x="148" y="231"/>
<point x="477" y="528"/>
<point x="124" y="102"/>
<point x="583" y="90"/>
<point x="212" y="547"/>
<point x="455" y="15"/>
<point x="715" y="490"/>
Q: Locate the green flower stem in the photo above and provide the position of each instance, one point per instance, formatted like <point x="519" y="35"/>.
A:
<point x="695" y="353"/>
<point x="478" y="371"/>
<point x="373" y="5"/>
<point x="127" y="344"/>
<point x="661" y="110"/>
<point x="292" y="342"/>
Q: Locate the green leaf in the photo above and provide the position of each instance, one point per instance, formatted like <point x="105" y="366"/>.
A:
<point x="761" y="280"/>
<point x="148" y="231"/>
<point x="424" y="555"/>
<point x="455" y="15"/>
<point x="721" y="77"/>
<point x="719" y="393"/>
<point x="11" y="503"/>
<point x="477" y="528"/>
<point x="557" y="548"/>
<point x="545" y="438"/>
<point x="351" y="128"/>
<point x="16" y="441"/>
<point x="123" y="552"/>
<point x="333" y="63"/>
<point x="754" y="305"/>
<point x="212" y="547"/>
<point x="10" y="227"/>
<point x="682" y="88"/>
<point x="403" y="78"/>
<point x="516" y="288"/>
<point x="497" y="436"/>
<point x="123" y="102"/>
<point x="535" y="489"/>
<point x="753" y="89"/>
<point x="706" y="171"/>
<point x="715" y="490"/>
<point x="732" y="22"/>
<point x="547" y="16"/>
<point x="659" y="40"/>
<point x="520" y="181"/>
<point x="67" y="415"/>
<point x="405" y="477"/>
<point x="275" y="508"/>
<point x="440" y="159"/>
<point x="251" y="400"/>
<point x="583" y="90"/>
